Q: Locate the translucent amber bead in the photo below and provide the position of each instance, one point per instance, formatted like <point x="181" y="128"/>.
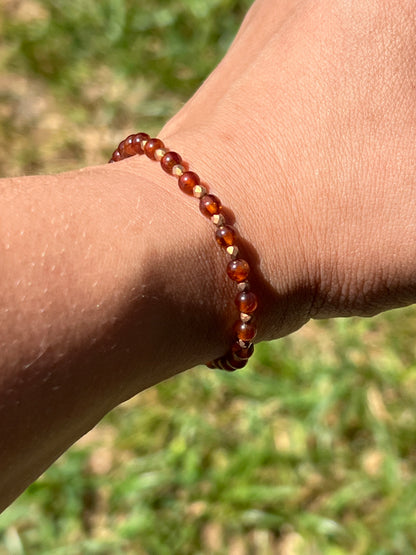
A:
<point x="169" y="160"/>
<point x="128" y="146"/>
<point x="238" y="270"/>
<point x="225" y="235"/>
<point x="137" y="142"/>
<point x="210" y="205"/>
<point x="116" y="156"/>
<point x="151" y="146"/>
<point x="246" y="302"/>
<point x="242" y="353"/>
<point x="187" y="182"/>
<point x="245" y="331"/>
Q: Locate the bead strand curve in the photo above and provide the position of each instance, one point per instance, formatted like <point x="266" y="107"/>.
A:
<point x="238" y="269"/>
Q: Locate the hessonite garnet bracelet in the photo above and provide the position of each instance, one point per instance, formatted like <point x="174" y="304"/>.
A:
<point x="238" y="269"/>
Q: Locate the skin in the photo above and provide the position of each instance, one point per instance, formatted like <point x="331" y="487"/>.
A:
<point x="111" y="280"/>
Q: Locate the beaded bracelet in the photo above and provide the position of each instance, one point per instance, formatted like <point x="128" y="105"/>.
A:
<point x="238" y="269"/>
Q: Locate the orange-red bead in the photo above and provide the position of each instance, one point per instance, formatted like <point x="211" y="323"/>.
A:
<point x="210" y="205"/>
<point x="151" y="146"/>
<point x="187" y="182"/>
<point x="169" y="160"/>
<point x="238" y="270"/>
<point x="245" y="330"/>
<point x="225" y="235"/>
<point x="128" y="146"/>
<point x="117" y="156"/>
<point x="137" y="142"/>
<point x="246" y="301"/>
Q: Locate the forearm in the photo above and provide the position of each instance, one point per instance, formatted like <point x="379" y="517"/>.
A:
<point x="112" y="281"/>
<point x="105" y="290"/>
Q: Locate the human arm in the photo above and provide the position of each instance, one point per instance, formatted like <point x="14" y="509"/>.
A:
<point x="296" y="133"/>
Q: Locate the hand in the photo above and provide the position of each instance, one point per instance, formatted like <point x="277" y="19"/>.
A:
<point x="306" y="130"/>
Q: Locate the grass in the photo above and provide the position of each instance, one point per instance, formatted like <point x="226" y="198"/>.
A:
<point x="311" y="450"/>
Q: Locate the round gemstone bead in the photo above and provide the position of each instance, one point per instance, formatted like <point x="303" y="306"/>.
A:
<point x="242" y="353"/>
<point x="246" y="301"/>
<point x="128" y="146"/>
<point x="137" y="142"/>
<point x="151" y="146"/>
<point x="225" y="235"/>
<point x="117" y="156"/>
<point x="238" y="270"/>
<point x="245" y="330"/>
<point x="210" y="205"/>
<point x="169" y="160"/>
<point x="187" y="182"/>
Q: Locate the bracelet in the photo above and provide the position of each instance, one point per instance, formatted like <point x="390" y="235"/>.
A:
<point x="238" y="269"/>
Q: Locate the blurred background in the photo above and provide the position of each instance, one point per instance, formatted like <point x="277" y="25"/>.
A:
<point x="310" y="450"/>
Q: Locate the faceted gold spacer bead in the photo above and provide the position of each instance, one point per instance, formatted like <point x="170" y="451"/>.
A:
<point x="159" y="153"/>
<point x="243" y="344"/>
<point x="232" y="251"/>
<point x="243" y="286"/>
<point x="199" y="191"/>
<point x="143" y="143"/>
<point x="245" y="317"/>
<point x="178" y="170"/>
<point x="218" y="219"/>
<point x="220" y="364"/>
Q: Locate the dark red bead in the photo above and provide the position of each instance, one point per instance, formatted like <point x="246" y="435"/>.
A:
<point x="225" y="235"/>
<point x="245" y="330"/>
<point x="238" y="270"/>
<point x="117" y="156"/>
<point x="169" y="160"/>
<point x="187" y="182"/>
<point x="151" y="146"/>
<point x="234" y="363"/>
<point x="210" y="205"/>
<point x="246" y="301"/>
<point x="128" y="146"/>
<point x="242" y="353"/>
<point x="137" y="142"/>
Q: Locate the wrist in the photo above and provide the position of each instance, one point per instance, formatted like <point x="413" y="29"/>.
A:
<point x="272" y="231"/>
